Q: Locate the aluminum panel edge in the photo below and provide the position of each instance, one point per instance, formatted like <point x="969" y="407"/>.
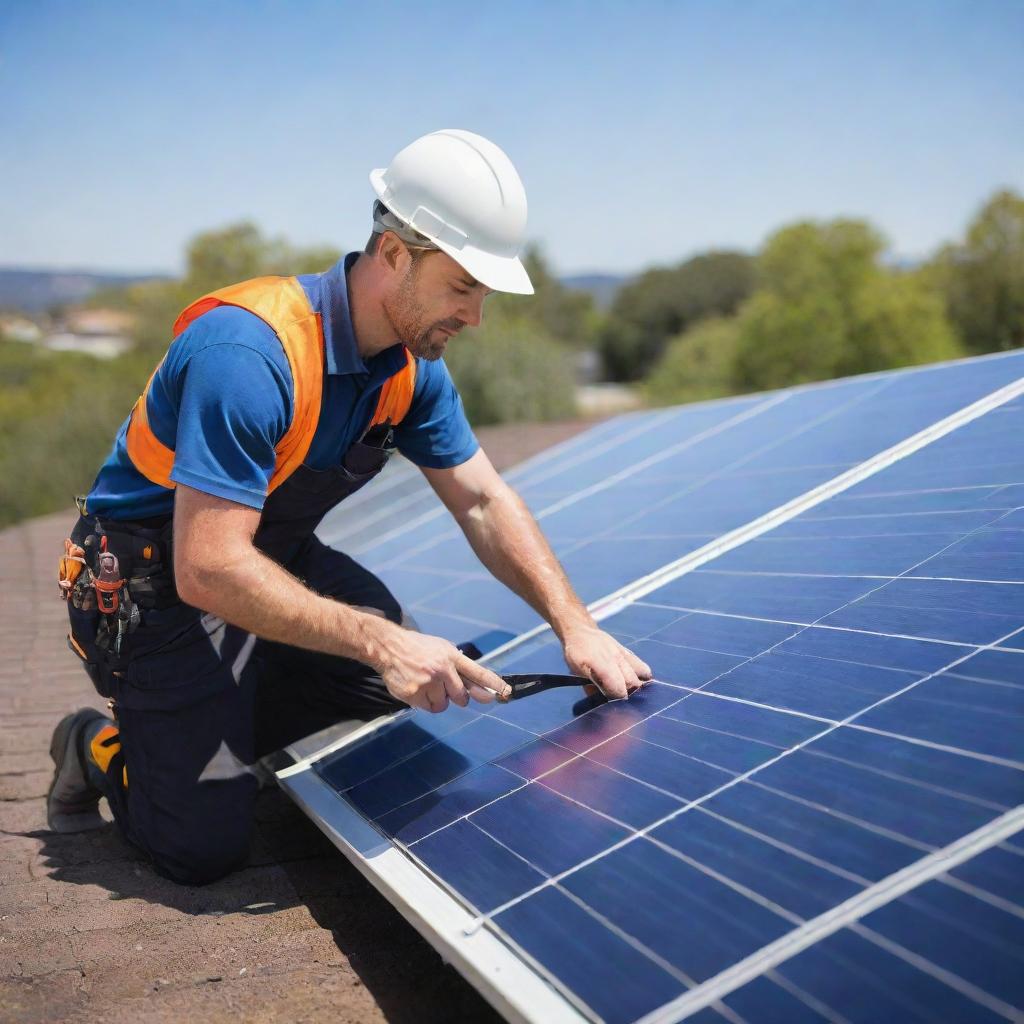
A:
<point x="508" y="983"/>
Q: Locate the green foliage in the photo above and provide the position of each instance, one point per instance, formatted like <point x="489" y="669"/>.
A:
<point x="899" y="321"/>
<point x="817" y="303"/>
<point x="697" y="364"/>
<point x="662" y="303"/>
<point x="59" y="414"/>
<point x="238" y="252"/>
<point x="833" y="258"/>
<point x="214" y="259"/>
<point x="827" y="308"/>
<point x="155" y="306"/>
<point x="983" y="277"/>
<point x="518" y="365"/>
<point x="507" y="370"/>
<point x="782" y="342"/>
<point x="566" y="316"/>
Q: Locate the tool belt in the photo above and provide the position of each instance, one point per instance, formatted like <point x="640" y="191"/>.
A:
<point x="118" y="569"/>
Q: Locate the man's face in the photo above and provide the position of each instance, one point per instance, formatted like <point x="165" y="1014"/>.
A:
<point x="434" y="300"/>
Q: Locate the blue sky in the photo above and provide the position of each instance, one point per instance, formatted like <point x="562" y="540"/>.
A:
<point x="643" y="131"/>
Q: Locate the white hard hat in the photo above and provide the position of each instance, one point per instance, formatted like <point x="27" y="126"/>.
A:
<point x="462" y="192"/>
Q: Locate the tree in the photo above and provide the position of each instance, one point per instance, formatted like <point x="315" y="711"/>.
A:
<point x="565" y="315"/>
<point x="213" y="259"/>
<point x="507" y="370"/>
<point x="662" y="303"/>
<point x="240" y="251"/>
<point x="696" y="364"/>
<point x="826" y="307"/>
<point x="782" y="342"/>
<point x="899" y="321"/>
<point x="59" y="412"/>
<point x="983" y="278"/>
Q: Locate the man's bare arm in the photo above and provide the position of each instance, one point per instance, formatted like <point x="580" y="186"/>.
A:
<point x="218" y="569"/>
<point x="507" y="539"/>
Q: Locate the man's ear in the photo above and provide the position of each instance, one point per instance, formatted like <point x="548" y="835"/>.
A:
<point x="392" y="251"/>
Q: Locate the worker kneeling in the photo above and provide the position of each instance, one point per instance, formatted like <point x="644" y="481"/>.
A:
<point x="202" y="604"/>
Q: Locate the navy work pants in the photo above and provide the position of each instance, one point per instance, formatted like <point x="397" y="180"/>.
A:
<point x="198" y="701"/>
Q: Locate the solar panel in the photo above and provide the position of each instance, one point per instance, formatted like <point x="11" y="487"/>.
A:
<point x="640" y="491"/>
<point x="814" y="812"/>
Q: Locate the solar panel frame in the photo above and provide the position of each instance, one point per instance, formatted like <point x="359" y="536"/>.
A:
<point x="515" y="987"/>
<point x="486" y="967"/>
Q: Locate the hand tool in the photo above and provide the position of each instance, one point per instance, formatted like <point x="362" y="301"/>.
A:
<point x="71" y="566"/>
<point x="107" y="582"/>
<point x="527" y="685"/>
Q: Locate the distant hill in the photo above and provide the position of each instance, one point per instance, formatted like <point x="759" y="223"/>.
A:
<point x="33" y="291"/>
<point x="603" y="287"/>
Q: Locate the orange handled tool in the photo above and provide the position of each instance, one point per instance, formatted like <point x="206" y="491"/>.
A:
<point x="107" y="582"/>
<point x="70" y="567"/>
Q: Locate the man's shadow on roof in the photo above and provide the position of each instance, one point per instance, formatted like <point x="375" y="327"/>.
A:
<point x="291" y="864"/>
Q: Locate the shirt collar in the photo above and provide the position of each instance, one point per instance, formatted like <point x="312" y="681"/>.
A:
<point x="342" y="353"/>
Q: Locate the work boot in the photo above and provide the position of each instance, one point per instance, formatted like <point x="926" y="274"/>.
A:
<point x="72" y="803"/>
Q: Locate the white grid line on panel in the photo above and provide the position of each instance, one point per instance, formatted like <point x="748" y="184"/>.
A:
<point x="615" y="601"/>
<point x="999" y="902"/>
<point x="690" y="442"/>
<point x="439" y="510"/>
<point x="904" y="445"/>
<point x="753" y="771"/>
<point x="819" y="624"/>
<point x="947" y="977"/>
<point x="915" y="740"/>
<point x="858" y="906"/>
<point x="908" y="515"/>
<point x="826" y="1011"/>
<point x="831" y="725"/>
<point x="863" y="576"/>
<point x="521" y="469"/>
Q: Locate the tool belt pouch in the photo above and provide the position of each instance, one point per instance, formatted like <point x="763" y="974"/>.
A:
<point x="109" y="575"/>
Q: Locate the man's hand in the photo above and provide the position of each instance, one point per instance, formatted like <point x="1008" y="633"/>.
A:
<point x="617" y="671"/>
<point x="507" y="539"/>
<point x="428" y="672"/>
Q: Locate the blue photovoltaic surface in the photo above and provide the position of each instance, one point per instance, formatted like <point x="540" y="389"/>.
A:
<point x="634" y="493"/>
<point x="835" y="700"/>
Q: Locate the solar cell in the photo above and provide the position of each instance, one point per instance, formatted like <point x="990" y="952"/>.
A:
<point x="625" y="493"/>
<point x="814" y="812"/>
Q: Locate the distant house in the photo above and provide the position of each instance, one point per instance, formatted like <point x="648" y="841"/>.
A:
<point x="98" y="322"/>
<point x="19" y="328"/>
<point x="104" y="333"/>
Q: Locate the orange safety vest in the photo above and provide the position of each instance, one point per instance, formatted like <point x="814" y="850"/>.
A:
<point x="282" y="304"/>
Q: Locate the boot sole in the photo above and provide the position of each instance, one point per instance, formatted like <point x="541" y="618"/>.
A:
<point x="63" y="754"/>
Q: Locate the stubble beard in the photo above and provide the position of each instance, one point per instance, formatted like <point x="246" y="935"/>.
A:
<point x="407" y="315"/>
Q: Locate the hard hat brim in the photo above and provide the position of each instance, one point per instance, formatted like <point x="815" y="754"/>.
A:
<point x="502" y="273"/>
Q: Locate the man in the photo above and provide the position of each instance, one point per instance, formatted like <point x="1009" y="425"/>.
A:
<point x="200" y="601"/>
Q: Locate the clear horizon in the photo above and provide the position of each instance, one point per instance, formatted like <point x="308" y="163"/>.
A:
<point x="643" y="134"/>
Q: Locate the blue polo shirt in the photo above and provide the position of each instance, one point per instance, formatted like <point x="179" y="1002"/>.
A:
<point x="222" y="399"/>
